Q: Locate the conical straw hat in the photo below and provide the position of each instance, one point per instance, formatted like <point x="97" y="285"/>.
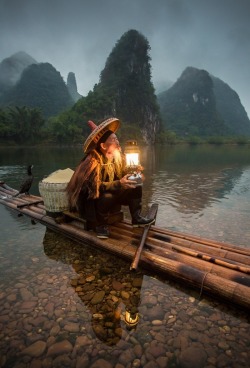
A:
<point x="98" y="131"/>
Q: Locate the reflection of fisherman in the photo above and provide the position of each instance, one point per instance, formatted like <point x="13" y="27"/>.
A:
<point x="107" y="324"/>
<point x="111" y="313"/>
<point x="100" y="184"/>
<point x="107" y="327"/>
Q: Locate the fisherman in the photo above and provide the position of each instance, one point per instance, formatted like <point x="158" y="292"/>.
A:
<point x="100" y="182"/>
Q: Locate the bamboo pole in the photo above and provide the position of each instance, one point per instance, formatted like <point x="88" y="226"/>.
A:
<point x="205" y="281"/>
<point x="30" y="200"/>
<point x="205" y="241"/>
<point x="151" y="242"/>
<point x="74" y="233"/>
<point x="169" y="236"/>
<point x="29" y="204"/>
<point x="135" y="261"/>
<point x="213" y="284"/>
<point x="228" y="254"/>
<point x="200" y="264"/>
<point x="205" y="257"/>
<point x="215" y="269"/>
<point x="151" y="215"/>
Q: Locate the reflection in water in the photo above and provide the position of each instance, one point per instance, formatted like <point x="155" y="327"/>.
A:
<point x="192" y="181"/>
<point x="64" y="305"/>
<point x="110" y="296"/>
<point x="204" y="190"/>
<point x="191" y="193"/>
<point x="14" y="161"/>
<point x="201" y="190"/>
<point x="52" y="315"/>
<point x="174" y="327"/>
<point x="186" y="193"/>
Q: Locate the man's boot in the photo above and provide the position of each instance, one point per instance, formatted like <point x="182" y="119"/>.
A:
<point x="135" y="210"/>
<point x="102" y="229"/>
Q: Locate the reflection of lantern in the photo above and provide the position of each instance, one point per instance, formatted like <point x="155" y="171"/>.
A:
<point x="130" y="319"/>
<point x="131" y="152"/>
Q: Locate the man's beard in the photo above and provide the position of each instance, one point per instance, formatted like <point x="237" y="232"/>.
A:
<point x="118" y="162"/>
<point x="114" y="166"/>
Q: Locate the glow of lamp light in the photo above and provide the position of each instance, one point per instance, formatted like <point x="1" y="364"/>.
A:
<point x="132" y="159"/>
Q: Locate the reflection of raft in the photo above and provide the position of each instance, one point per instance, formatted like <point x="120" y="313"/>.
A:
<point x="220" y="269"/>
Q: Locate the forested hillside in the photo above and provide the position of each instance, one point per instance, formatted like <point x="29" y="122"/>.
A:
<point x="40" y="86"/>
<point x="201" y="105"/>
<point x="36" y="105"/>
<point x="125" y="90"/>
<point x="230" y="108"/>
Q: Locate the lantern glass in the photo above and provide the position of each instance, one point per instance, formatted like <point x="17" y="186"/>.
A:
<point x="132" y="152"/>
<point x="132" y="159"/>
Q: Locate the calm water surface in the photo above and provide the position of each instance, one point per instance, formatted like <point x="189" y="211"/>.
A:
<point x="64" y="305"/>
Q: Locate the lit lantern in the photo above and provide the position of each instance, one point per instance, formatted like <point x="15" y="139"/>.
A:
<point x="133" y="167"/>
<point x="132" y="152"/>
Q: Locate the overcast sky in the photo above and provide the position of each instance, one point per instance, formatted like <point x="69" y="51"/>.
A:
<point x="78" y="35"/>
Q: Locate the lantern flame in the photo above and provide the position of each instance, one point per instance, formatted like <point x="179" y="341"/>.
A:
<point x="132" y="159"/>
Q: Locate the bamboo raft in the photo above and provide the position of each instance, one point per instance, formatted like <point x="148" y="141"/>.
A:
<point x="219" y="269"/>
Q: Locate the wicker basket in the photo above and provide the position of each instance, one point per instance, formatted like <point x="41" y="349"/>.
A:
<point x="53" y="193"/>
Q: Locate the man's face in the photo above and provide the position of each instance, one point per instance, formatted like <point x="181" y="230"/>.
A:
<point x="112" y="143"/>
<point x="111" y="147"/>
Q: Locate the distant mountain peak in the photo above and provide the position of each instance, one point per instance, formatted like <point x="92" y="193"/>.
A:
<point x="72" y="86"/>
<point x="202" y="105"/>
<point x="40" y="86"/>
<point x="22" y="55"/>
<point x="127" y="73"/>
<point x="12" y="67"/>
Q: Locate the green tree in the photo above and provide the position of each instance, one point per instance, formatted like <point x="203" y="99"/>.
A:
<point x="166" y="137"/>
<point x="64" y="128"/>
<point x="25" y="124"/>
<point x="6" y="129"/>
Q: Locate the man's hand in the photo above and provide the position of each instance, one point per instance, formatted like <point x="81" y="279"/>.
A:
<point x="126" y="183"/>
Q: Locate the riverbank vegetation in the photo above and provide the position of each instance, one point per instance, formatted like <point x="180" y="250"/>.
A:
<point x="26" y="126"/>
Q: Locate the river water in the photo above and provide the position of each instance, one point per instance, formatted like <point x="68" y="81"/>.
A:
<point x="65" y="305"/>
